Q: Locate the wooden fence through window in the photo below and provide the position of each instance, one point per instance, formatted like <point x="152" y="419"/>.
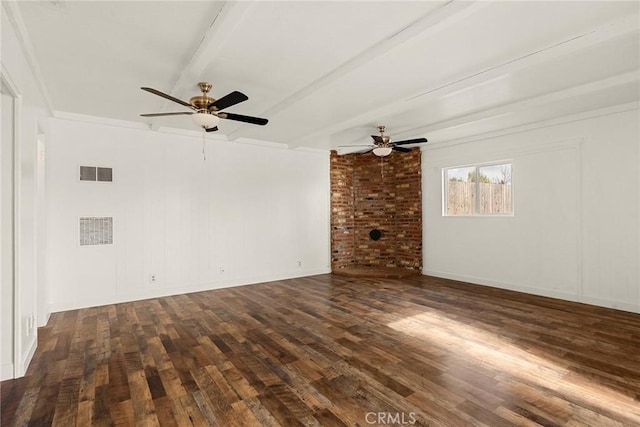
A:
<point x="494" y="198"/>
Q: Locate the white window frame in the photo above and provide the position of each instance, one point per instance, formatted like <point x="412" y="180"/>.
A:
<point x="476" y="207"/>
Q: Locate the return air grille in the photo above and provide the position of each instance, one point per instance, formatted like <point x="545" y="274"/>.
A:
<point x="96" y="231"/>
<point x="96" y="174"/>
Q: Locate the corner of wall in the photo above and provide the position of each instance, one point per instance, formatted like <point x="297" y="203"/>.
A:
<point x="6" y="371"/>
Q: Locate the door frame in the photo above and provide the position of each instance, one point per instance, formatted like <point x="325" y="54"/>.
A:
<point x="9" y="83"/>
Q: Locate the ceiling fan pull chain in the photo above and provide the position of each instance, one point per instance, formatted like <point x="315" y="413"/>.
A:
<point x="204" y="143"/>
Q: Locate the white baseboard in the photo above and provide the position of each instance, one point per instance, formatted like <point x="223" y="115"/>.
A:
<point x="504" y="285"/>
<point x="43" y="322"/>
<point x="177" y="290"/>
<point x="6" y="371"/>
<point x="30" y="348"/>
<point x="567" y="296"/>
<point x="618" y="305"/>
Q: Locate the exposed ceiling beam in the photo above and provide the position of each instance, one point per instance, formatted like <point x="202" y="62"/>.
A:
<point x="532" y="102"/>
<point x="217" y="35"/>
<point x="430" y="23"/>
<point x="619" y="28"/>
<point x="540" y="124"/>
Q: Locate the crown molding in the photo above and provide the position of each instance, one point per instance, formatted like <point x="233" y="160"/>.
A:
<point x="63" y="115"/>
<point x="261" y="143"/>
<point x="14" y="16"/>
<point x="311" y="150"/>
<point x="192" y="133"/>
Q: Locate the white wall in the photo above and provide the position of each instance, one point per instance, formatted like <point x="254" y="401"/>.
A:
<point x="247" y="213"/>
<point x="28" y="286"/>
<point x="575" y="233"/>
<point x="42" y="289"/>
<point x="6" y="237"/>
<point x="31" y="114"/>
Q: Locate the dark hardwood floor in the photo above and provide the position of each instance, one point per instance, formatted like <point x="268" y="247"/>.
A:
<point x="331" y="351"/>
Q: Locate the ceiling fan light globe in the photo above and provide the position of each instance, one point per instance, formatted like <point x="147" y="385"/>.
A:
<point x="205" y="120"/>
<point x="382" y="151"/>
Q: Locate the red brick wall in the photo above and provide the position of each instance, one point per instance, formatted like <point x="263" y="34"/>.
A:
<point x="368" y="192"/>
<point x="342" y="225"/>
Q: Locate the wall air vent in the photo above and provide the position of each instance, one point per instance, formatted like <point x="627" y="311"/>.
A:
<point x="88" y="173"/>
<point x="96" y="231"/>
<point x="105" y="174"/>
<point x="96" y="174"/>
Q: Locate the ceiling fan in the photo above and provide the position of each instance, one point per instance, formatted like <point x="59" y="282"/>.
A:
<point x="382" y="144"/>
<point x="206" y="111"/>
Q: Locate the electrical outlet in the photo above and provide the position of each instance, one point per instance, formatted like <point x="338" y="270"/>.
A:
<point x="153" y="278"/>
<point x="221" y="270"/>
<point x="299" y="264"/>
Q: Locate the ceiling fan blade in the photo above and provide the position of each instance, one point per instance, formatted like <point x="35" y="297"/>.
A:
<point x="378" y="139"/>
<point x="246" y="119"/>
<point x="401" y="149"/>
<point x="411" y="141"/>
<point x="354" y="149"/>
<point x="166" y="96"/>
<point x="213" y="129"/>
<point x="166" y="114"/>
<point x="359" y="145"/>
<point x="227" y="101"/>
<point x="366" y="150"/>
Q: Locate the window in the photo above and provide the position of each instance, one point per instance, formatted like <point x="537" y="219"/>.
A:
<point x="478" y="190"/>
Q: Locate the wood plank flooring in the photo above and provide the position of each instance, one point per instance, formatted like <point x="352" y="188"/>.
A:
<point x="334" y="351"/>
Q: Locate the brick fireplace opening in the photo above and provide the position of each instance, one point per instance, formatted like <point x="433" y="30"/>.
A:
<point x="373" y="197"/>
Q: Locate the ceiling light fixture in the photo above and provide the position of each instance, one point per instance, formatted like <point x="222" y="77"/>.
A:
<point x="382" y="151"/>
<point x="205" y="120"/>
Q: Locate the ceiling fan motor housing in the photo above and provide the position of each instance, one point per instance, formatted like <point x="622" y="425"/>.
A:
<point x="203" y="101"/>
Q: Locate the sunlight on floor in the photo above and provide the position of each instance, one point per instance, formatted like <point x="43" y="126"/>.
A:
<point x="515" y="366"/>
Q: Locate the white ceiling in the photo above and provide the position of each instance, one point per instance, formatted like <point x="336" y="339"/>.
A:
<point x="326" y="73"/>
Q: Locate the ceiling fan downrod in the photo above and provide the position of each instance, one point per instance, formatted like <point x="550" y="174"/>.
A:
<point x="202" y="102"/>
